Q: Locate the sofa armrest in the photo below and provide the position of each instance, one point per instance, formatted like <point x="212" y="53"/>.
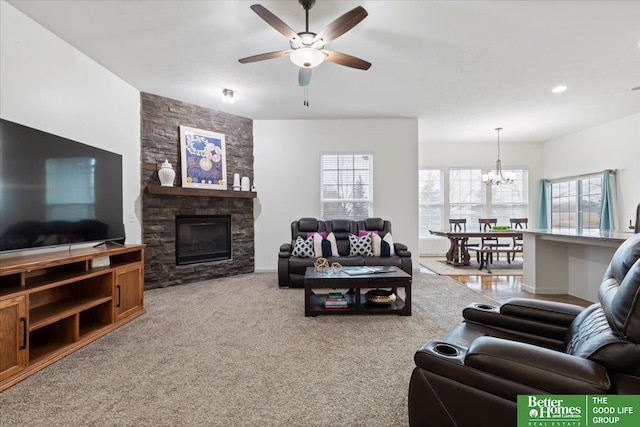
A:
<point x="285" y="250"/>
<point x="534" y="317"/>
<point x="543" y="311"/>
<point x="548" y="370"/>
<point x="401" y="250"/>
<point x="400" y="247"/>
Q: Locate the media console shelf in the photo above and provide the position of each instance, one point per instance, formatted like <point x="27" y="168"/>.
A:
<point x="54" y="303"/>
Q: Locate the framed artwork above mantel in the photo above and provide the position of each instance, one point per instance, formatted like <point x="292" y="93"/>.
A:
<point x="203" y="159"/>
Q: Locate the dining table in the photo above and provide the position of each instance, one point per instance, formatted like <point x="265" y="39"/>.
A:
<point x="458" y="253"/>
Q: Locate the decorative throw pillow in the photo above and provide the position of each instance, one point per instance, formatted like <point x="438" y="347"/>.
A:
<point x="322" y="246"/>
<point x="382" y="247"/>
<point x="326" y="248"/>
<point x="321" y="233"/>
<point x="375" y="244"/>
<point x="360" y="245"/>
<point x="303" y="248"/>
<point x="334" y="244"/>
<point x="386" y="246"/>
<point x="365" y="232"/>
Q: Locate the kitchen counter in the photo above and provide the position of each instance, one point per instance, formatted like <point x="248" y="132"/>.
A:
<point x="568" y="261"/>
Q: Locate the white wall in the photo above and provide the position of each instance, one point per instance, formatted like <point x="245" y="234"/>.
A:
<point x="444" y="156"/>
<point x="287" y="175"/>
<point x="49" y="85"/>
<point x="613" y="145"/>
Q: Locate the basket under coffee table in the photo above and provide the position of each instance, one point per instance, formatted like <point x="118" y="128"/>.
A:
<point x="355" y="287"/>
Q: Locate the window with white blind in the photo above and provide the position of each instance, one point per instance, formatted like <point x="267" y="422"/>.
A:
<point x="430" y="200"/>
<point x="346" y="186"/>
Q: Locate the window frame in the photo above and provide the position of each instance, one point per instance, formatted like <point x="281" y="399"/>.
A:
<point x="426" y="205"/>
<point x="486" y="205"/>
<point x="369" y="200"/>
<point x="579" y="211"/>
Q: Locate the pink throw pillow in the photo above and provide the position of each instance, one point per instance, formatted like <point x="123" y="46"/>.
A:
<point x="323" y="234"/>
<point x="365" y="232"/>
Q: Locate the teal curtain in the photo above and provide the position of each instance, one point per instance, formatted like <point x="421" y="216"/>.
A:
<point x="544" y="212"/>
<point x="609" y="202"/>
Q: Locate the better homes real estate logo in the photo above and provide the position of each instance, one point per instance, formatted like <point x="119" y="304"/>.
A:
<point x="579" y="410"/>
<point x="552" y="410"/>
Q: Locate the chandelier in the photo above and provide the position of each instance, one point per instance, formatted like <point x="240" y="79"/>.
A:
<point x="497" y="177"/>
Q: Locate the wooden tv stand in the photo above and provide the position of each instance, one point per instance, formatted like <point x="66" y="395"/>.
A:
<point x="52" y="304"/>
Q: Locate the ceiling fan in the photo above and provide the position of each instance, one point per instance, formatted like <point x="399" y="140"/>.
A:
<point x="307" y="48"/>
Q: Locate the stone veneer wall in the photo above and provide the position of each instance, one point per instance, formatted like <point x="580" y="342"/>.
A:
<point x="161" y="119"/>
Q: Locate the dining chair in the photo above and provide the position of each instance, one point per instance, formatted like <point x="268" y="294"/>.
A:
<point x="457" y="224"/>
<point x="487" y="224"/>
<point x="518" y="224"/>
<point x="460" y="225"/>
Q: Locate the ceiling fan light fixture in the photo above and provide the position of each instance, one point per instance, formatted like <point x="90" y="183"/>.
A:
<point x="307" y="57"/>
<point x="306" y="37"/>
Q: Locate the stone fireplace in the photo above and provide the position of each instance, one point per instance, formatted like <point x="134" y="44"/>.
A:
<point x="202" y="238"/>
<point x="161" y="119"/>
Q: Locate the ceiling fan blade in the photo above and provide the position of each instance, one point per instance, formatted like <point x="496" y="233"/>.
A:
<point x="341" y="25"/>
<point x="304" y="76"/>
<point x="274" y="21"/>
<point x="264" y="56"/>
<point x="346" y="60"/>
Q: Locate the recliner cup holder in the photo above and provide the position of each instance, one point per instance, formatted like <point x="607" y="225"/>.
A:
<point x="446" y="349"/>
<point x="484" y="307"/>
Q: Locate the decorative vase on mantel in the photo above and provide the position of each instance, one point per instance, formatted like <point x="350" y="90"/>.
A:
<point x="166" y="174"/>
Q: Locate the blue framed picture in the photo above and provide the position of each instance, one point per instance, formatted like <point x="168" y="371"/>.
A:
<point x="203" y="159"/>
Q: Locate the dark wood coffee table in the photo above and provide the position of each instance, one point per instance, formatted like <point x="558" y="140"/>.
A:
<point x="394" y="278"/>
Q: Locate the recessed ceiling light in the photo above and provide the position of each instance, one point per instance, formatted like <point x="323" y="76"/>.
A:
<point x="559" y="89"/>
<point x="227" y="96"/>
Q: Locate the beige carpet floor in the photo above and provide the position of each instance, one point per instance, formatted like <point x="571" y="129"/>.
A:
<point x="498" y="268"/>
<point x="238" y="351"/>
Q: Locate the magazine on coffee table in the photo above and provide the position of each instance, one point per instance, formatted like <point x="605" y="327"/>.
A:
<point x="355" y="271"/>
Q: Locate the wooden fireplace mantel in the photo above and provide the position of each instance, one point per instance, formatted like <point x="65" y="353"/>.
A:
<point x="198" y="192"/>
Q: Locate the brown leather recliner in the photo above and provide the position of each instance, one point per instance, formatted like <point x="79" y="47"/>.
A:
<point x="526" y="346"/>
<point x="291" y="269"/>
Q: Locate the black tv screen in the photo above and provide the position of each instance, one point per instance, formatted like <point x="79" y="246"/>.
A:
<point x="55" y="191"/>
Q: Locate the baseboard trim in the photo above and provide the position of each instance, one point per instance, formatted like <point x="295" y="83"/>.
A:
<point x="538" y="290"/>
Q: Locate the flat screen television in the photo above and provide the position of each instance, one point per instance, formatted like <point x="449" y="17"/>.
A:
<point x="55" y="191"/>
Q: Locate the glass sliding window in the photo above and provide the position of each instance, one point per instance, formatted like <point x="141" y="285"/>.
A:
<point x="346" y="183"/>
<point x="590" y="202"/>
<point x="576" y="203"/>
<point x="466" y="195"/>
<point x="430" y="200"/>
<point x="563" y="204"/>
<point x="510" y="201"/>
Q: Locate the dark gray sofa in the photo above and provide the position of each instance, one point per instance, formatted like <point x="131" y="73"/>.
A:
<point x="291" y="268"/>
<point x="474" y="374"/>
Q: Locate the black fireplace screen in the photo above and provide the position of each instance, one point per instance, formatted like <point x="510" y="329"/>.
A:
<point x="202" y="238"/>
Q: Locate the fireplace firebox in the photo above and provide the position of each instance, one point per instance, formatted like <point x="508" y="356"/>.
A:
<point x="202" y="238"/>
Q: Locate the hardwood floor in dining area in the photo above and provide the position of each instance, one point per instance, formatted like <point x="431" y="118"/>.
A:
<point x="501" y="288"/>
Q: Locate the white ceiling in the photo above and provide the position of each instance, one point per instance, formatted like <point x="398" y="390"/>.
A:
<point x="461" y="67"/>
